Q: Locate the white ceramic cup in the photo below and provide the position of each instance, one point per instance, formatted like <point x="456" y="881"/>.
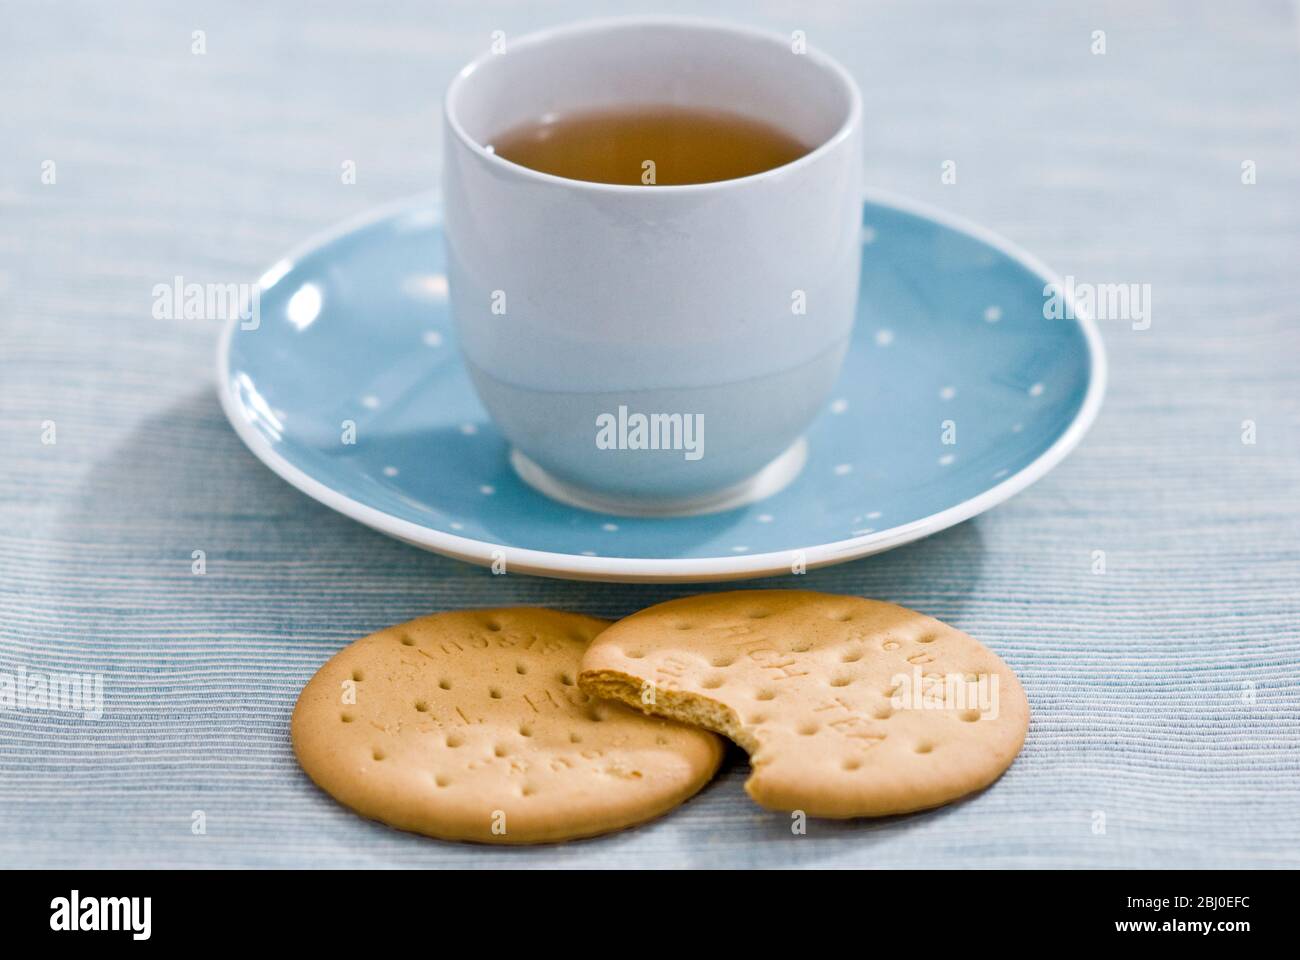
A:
<point x="654" y="349"/>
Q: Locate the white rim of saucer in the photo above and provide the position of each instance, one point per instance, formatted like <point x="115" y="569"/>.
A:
<point x="654" y="570"/>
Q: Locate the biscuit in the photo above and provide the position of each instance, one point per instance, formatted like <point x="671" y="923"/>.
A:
<point x="470" y="726"/>
<point x="848" y="707"/>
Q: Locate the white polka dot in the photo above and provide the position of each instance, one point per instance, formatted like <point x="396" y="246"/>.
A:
<point x="457" y="526"/>
<point x="432" y="338"/>
<point x="739" y="549"/>
<point x="304" y="306"/>
<point x="370" y="402"/>
<point x="469" y="429"/>
<point x="427" y="286"/>
<point x="1036" y="390"/>
<point x="868" y="235"/>
<point x="864" y="531"/>
<point x="1017" y="427"/>
<point x="843" y="469"/>
<point x="487" y="489"/>
<point x="589" y="553"/>
<point x="992" y="314"/>
<point x="884" y="337"/>
<point x="947" y="393"/>
<point x="1000" y="474"/>
<point x="764" y="518"/>
<point x="874" y="515"/>
<point x="390" y="471"/>
<point x="609" y="527"/>
<point x="839" y="406"/>
<point x="946" y="459"/>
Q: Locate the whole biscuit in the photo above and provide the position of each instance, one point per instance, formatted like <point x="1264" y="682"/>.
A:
<point x="848" y="707"/>
<point x="470" y="726"/>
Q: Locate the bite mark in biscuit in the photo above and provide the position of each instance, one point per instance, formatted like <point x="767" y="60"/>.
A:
<point x="847" y="707"/>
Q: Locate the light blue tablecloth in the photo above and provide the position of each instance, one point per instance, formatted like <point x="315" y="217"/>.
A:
<point x="1165" y="692"/>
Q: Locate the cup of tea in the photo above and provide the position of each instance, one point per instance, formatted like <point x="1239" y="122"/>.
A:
<point x="652" y="232"/>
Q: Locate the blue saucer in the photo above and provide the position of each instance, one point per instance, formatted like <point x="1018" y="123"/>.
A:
<point x="354" y="342"/>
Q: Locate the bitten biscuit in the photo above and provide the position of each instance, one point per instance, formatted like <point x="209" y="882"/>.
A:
<point x="847" y="707"/>
<point x="470" y="726"/>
